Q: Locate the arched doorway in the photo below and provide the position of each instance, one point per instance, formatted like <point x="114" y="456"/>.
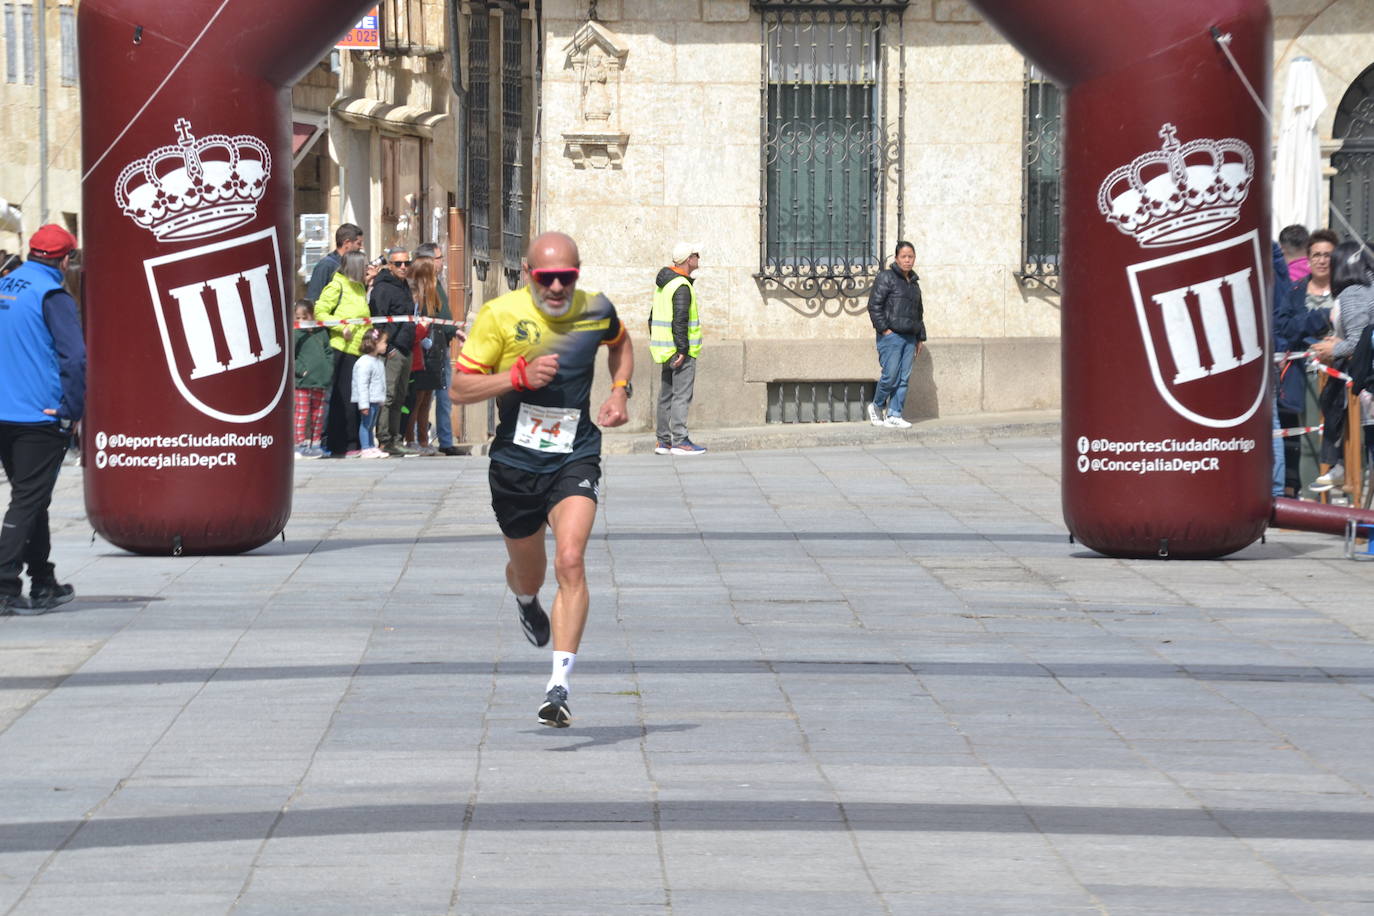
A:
<point x="1352" y="187"/>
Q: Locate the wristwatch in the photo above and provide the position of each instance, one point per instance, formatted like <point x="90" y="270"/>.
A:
<point x="626" y="384"/>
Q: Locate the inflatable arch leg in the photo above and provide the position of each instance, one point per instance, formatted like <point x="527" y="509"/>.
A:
<point x="1166" y="430"/>
<point x="188" y="246"/>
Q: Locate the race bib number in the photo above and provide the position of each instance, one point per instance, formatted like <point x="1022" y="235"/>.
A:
<point x="547" y="429"/>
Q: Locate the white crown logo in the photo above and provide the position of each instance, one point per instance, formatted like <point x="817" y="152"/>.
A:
<point x="1180" y="192"/>
<point x="196" y="188"/>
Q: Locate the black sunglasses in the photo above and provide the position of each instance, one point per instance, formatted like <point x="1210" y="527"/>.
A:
<point x="400" y="263"/>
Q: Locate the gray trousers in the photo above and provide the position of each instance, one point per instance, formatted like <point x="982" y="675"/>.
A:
<point x="390" y="429"/>
<point x="674" y="397"/>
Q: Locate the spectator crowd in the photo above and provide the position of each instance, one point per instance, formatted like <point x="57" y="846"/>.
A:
<point x="367" y="390"/>
<point x="1323" y="307"/>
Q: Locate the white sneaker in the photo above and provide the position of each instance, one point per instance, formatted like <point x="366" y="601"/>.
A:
<point x="1332" y="478"/>
<point x="895" y="422"/>
<point x="874" y="415"/>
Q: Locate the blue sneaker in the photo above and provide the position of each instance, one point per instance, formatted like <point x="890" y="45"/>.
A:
<point x="688" y="447"/>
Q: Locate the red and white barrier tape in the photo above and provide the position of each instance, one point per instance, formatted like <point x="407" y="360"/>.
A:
<point x="385" y="319"/>
<point x="1290" y="356"/>
<point x="1298" y="431"/>
<point x="1334" y="373"/>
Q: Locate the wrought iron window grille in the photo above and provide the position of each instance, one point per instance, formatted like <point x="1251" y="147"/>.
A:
<point x="831" y="160"/>
<point x="514" y="204"/>
<point x="1041" y="181"/>
<point x="479" y="140"/>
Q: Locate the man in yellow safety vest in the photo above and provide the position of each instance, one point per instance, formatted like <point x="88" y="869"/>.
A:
<point x="675" y="344"/>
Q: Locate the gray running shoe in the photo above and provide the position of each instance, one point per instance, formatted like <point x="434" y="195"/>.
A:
<point x="555" y="712"/>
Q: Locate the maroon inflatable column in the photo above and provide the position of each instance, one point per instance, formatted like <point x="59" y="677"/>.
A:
<point x="188" y="249"/>
<point x="1167" y="424"/>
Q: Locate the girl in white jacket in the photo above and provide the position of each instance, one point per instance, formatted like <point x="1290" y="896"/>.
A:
<point x="369" y="392"/>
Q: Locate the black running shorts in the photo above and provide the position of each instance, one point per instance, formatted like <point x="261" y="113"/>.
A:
<point x="522" y="500"/>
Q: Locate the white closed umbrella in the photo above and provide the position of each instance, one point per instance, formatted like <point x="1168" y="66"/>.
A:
<point x="1298" y="162"/>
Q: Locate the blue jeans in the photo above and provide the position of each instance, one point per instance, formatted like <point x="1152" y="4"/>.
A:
<point x="367" y="427"/>
<point x="1280" y="470"/>
<point x="443" y="410"/>
<point x="895" y="353"/>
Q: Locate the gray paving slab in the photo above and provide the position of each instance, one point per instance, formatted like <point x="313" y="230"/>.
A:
<point x="862" y="673"/>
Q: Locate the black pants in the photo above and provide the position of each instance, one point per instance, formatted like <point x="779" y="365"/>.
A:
<point x="32" y="455"/>
<point x="341" y="429"/>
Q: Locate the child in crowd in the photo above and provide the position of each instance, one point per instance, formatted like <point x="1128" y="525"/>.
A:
<point x="369" y="391"/>
<point x="314" y="375"/>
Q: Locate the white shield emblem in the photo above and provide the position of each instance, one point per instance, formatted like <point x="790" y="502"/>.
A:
<point x="221" y="311"/>
<point x="1204" y="320"/>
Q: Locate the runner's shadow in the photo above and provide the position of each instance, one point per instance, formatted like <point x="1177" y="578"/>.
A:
<point x="601" y="735"/>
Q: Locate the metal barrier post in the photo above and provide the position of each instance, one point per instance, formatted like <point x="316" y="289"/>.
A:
<point x="1354" y="448"/>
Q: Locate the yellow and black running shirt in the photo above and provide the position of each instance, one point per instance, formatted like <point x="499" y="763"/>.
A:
<point x="512" y="326"/>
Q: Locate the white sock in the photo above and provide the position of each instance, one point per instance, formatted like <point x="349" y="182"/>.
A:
<point x="562" y="668"/>
<point x="525" y="599"/>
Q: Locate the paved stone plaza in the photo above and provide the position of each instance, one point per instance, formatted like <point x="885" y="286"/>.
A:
<point x="844" y="680"/>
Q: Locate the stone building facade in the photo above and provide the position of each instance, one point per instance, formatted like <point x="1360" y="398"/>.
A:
<point x="797" y="142"/>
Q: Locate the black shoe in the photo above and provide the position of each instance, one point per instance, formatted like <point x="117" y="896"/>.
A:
<point x="14" y="604"/>
<point x="454" y="451"/>
<point x="534" y="622"/>
<point x="44" y="596"/>
<point x="555" y="711"/>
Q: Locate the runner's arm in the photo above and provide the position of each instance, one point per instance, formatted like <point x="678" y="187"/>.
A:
<point x="474" y="387"/>
<point x="620" y="360"/>
<point x="469" y="386"/>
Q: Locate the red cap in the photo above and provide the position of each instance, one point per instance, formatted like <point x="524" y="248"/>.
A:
<point x="51" y="241"/>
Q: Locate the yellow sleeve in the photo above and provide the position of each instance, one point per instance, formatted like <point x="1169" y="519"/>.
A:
<point x="330" y="298"/>
<point x="482" y="351"/>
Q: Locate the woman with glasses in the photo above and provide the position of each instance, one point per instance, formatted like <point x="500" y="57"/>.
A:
<point x="1315" y="289"/>
<point x="1301" y="318"/>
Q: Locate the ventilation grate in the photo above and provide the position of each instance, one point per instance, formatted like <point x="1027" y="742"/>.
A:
<point x="818" y="402"/>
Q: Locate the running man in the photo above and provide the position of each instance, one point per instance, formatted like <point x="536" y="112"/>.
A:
<point x="535" y="351"/>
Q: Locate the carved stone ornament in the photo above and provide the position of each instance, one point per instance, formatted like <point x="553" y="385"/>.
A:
<point x="597" y="56"/>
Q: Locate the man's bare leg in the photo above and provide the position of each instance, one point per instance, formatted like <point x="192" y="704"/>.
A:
<point x="571" y="520"/>
<point x="525" y="576"/>
<point x="525" y="571"/>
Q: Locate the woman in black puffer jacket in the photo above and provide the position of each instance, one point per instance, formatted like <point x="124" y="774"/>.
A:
<point x="894" y="307"/>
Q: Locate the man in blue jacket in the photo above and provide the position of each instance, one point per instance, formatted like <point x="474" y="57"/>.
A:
<point x="42" y="394"/>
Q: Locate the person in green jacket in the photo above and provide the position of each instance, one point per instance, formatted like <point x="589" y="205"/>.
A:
<point x="344" y="297"/>
<point x="314" y="376"/>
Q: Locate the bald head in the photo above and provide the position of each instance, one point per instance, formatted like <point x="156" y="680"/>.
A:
<point x="553" y="249"/>
<point x="553" y="265"/>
